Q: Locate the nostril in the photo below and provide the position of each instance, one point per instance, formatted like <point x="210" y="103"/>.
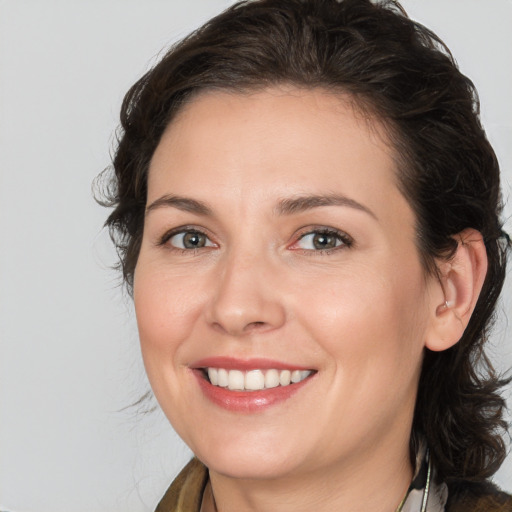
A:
<point x="254" y="325"/>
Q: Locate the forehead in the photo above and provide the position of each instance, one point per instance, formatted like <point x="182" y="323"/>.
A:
<point x="279" y="142"/>
<point x="216" y="108"/>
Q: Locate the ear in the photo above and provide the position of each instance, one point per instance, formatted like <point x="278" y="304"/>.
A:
<point x="460" y="281"/>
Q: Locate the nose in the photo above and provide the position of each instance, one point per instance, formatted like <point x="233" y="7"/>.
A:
<point x="245" y="298"/>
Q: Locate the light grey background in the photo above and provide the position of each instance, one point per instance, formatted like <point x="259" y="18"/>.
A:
<point x="69" y="358"/>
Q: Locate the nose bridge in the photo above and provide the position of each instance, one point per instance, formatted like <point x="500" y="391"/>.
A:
<point x="245" y="298"/>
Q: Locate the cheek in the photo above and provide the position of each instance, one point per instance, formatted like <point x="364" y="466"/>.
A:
<point x="167" y="309"/>
<point x="365" y="318"/>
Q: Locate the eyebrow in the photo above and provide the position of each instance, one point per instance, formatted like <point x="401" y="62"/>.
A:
<point x="181" y="203"/>
<point x="287" y="206"/>
<point x="298" y="204"/>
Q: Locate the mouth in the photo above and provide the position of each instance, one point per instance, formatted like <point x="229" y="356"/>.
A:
<point x="249" y="385"/>
<point x="254" y="380"/>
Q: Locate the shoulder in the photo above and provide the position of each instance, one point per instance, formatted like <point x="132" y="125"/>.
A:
<point x="478" y="497"/>
<point x="186" y="492"/>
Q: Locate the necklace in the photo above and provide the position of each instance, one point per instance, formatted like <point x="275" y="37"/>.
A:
<point x="427" y="488"/>
<point x="426" y="491"/>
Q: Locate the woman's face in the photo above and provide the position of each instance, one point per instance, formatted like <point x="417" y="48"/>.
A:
<point x="276" y="241"/>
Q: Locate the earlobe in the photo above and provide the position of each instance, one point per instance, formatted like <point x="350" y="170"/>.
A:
<point x="460" y="281"/>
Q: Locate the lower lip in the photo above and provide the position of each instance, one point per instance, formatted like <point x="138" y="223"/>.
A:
<point x="247" y="401"/>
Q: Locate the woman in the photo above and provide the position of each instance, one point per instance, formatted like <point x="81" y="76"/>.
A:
<point x="307" y="214"/>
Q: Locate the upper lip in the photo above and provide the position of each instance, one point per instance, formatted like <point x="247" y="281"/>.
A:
<point x="233" y="363"/>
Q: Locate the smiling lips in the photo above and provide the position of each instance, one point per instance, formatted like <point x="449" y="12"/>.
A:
<point x="249" y="385"/>
<point x="255" y="380"/>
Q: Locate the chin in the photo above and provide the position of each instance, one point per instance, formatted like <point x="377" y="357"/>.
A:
<point x="262" y="467"/>
<point x="248" y="458"/>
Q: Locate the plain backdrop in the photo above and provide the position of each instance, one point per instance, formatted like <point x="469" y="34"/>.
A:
<point x="69" y="356"/>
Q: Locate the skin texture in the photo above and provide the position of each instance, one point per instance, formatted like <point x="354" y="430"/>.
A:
<point x="359" y="314"/>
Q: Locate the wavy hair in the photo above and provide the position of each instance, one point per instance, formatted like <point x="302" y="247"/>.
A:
<point x="399" y="72"/>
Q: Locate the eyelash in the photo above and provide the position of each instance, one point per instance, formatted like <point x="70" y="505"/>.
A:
<point x="344" y="238"/>
<point x="183" y="230"/>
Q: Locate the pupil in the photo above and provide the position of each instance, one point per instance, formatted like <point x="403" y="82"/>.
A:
<point x="323" y="241"/>
<point x="193" y="240"/>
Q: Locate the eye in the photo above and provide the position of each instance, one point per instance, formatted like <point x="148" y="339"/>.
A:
<point x="323" y="240"/>
<point x="190" y="239"/>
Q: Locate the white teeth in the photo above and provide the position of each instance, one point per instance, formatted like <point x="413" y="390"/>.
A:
<point x="213" y="375"/>
<point x="272" y="379"/>
<point x="285" y="377"/>
<point x="222" y="378"/>
<point x="236" y="380"/>
<point x="296" y="376"/>
<point x="254" y="380"/>
<point x="304" y="374"/>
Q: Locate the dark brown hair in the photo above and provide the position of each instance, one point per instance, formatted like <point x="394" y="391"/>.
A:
<point x="403" y="75"/>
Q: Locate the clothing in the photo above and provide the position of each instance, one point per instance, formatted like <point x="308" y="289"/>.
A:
<point x="186" y="492"/>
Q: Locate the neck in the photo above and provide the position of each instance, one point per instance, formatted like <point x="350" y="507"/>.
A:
<point x="373" y="483"/>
